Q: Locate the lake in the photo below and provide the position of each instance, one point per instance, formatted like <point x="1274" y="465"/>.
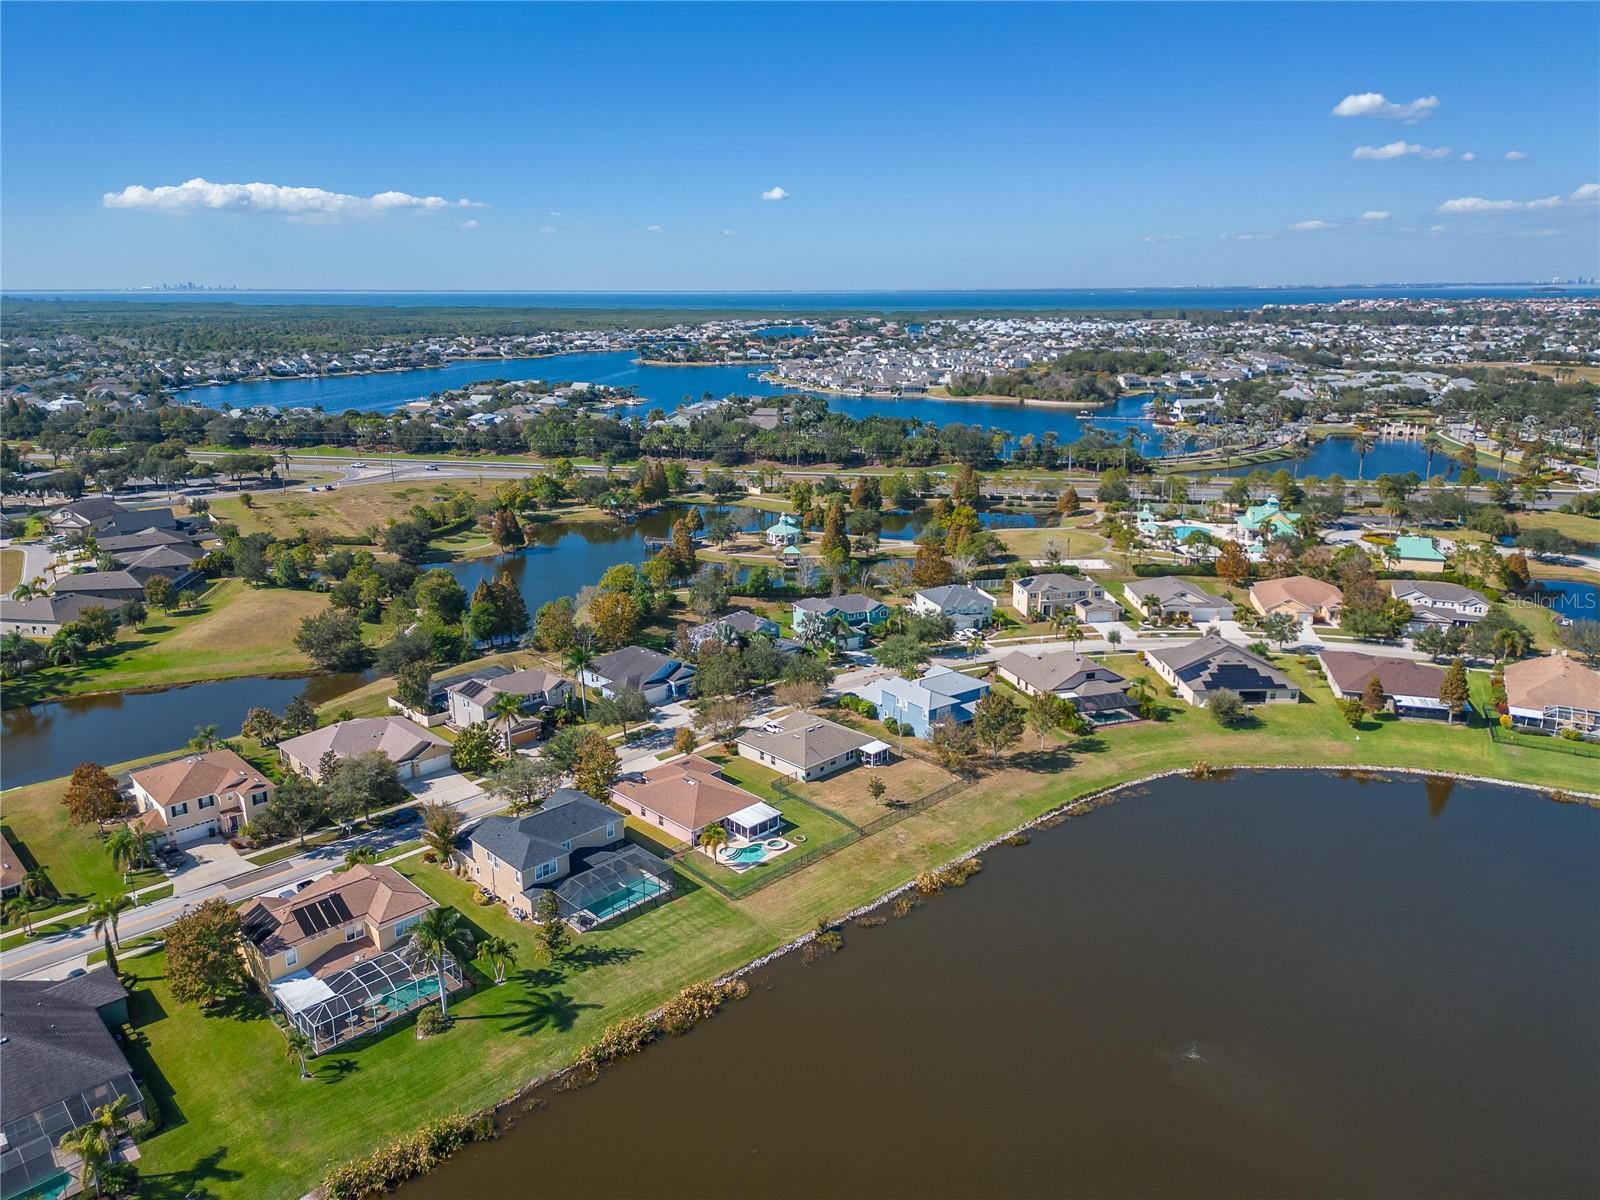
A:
<point x="1570" y="599"/>
<point x="1339" y="456"/>
<point x="1269" y="986"/>
<point x="47" y="740"/>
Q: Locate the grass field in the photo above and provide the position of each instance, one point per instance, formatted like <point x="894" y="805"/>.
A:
<point x="11" y="562"/>
<point x="1568" y="372"/>
<point x="234" y="630"/>
<point x="346" y="512"/>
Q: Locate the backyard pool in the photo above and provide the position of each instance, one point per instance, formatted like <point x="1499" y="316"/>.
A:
<point x="634" y="894"/>
<point x="742" y="858"/>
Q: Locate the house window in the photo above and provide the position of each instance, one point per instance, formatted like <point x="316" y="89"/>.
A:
<point x="493" y="861"/>
<point x="179" y="809"/>
<point x="611" y="830"/>
<point x="545" y="870"/>
<point x="208" y="802"/>
<point x="567" y="845"/>
<point x="291" y="958"/>
<point x="258" y="797"/>
<point x="352" y="932"/>
<point x="406" y="925"/>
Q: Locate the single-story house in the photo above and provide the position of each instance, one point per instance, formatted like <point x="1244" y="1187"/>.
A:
<point x="968" y="607"/>
<point x="1098" y="692"/>
<point x="1410" y="689"/>
<point x="1043" y="596"/>
<point x="684" y="796"/>
<point x="110" y="588"/>
<point x="633" y="668"/>
<point x="1435" y="602"/>
<point x="410" y="747"/>
<point x="919" y="703"/>
<point x="1175" y="598"/>
<point x="99" y="514"/>
<point x="60" y="1062"/>
<point x="860" y="614"/>
<point x="143" y="539"/>
<point x="733" y="628"/>
<point x="1552" y="693"/>
<point x="806" y="747"/>
<point x="199" y="796"/>
<point x="1209" y="664"/>
<point x="43" y="616"/>
<point x="333" y="956"/>
<point x="1421" y="554"/>
<point x="1303" y="597"/>
<point x="573" y="847"/>
<point x="471" y="701"/>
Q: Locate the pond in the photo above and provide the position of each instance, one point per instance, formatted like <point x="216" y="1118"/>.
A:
<point x="1569" y="599"/>
<point x="1276" y="985"/>
<point x="47" y="740"/>
<point x="1339" y="456"/>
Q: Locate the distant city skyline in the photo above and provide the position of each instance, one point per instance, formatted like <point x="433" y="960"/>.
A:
<point x="767" y="148"/>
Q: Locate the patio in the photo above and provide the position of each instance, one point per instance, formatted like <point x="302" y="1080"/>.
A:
<point x="361" y="998"/>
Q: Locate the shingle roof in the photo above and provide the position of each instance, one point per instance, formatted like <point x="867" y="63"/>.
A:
<point x="395" y="737"/>
<point x="1438" y="591"/>
<point x="46" y="610"/>
<point x="803" y="740"/>
<point x="1552" y="681"/>
<point x="1350" y="671"/>
<point x="956" y="593"/>
<point x="688" y="791"/>
<point x="376" y="893"/>
<point x="1055" y="671"/>
<point x="523" y="842"/>
<point x="55" y="1044"/>
<point x="208" y="774"/>
<point x="1209" y="662"/>
<point x="1168" y="590"/>
<point x="633" y="666"/>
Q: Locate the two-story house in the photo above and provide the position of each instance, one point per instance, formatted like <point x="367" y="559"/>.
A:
<point x="200" y="796"/>
<point x="660" y="677"/>
<point x="333" y="955"/>
<point x="1041" y="597"/>
<point x="1435" y="602"/>
<point x="919" y="703"/>
<point x="851" y="616"/>
<point x="474" y="700"/>
<point x="967" y="607"/>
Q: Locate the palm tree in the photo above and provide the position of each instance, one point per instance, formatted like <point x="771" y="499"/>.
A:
<point x="712" y="838"/>
<point x="358" y="855"/>
<point x="19" y="908"/>
<point x="104" y="914"/>
<point x="501" y="955"/>
<point x="299" y="1046"/>
<point x="1432" y="443"/>
<point x="1072" y="631"/>
<point x="35" y="884"/>
<point x="65" y="647"/>
<point x="88" y="1145"/>
<point x="507" y="707"/>
<point x="205" y="738"/>
<point x="126" y="848"/>
<point x="436" y="939"/>
<point x="579" y="659"/>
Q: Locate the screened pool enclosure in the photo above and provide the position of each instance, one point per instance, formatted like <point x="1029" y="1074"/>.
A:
<point x="613" y="883"/>
<point x="362" y="998"/>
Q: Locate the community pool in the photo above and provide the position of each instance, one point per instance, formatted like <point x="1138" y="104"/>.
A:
<point x="1179" y="532"/>
<point x="635" y="893"/>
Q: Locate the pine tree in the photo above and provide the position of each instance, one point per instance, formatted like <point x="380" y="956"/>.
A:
<point x="1453" y="688"/>
<point x="508" y="599"/>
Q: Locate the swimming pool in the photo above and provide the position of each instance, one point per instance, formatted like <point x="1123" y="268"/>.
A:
<point x="1179" y="532"/>
<point x="637" y="892"/>
<point x="753" y="853"/>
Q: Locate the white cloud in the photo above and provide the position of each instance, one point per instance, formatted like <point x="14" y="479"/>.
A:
<point x="552" y="213"/>
<point x="547" y="229"/>
<point x="1588" y="193"/>
<point x="1376" y="214"/>
<point x="1248" y="237"/>
<point x="470" y="224"/>
<point x="1401" y="149"/>
<point x="1311" y="226"/>
<point x="1540" y="233"/>
<point x="727" y="233"/>
<point x="1515" y="156"/>
<point x="201" y="195"/>
<point x="1162" y="237"/>
<point x="776" y="193"/>
<point x="1469" y="156"/>
<point x="652" y="229"/>
<point x="1376" y="104"/>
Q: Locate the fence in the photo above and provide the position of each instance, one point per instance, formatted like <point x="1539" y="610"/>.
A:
<point x="1537" y="741"/>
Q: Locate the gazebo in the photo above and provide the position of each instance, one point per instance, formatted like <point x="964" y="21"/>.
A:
<point x="784" y="532"/>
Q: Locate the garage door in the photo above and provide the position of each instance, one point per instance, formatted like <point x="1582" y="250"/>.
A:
<point x="196" y="833"/>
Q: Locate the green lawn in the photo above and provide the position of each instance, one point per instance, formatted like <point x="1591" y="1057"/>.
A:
<point x="73" y="856"/>
<point x="11" y="562"/>
<point x="234" y="630"/>
<point x="242" y="1125"/>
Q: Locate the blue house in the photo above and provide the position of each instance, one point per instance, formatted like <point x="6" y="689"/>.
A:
<point x="860" y="613"/>
<point x="918" y="703"/>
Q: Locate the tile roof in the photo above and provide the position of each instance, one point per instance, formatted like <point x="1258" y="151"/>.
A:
<point x="803" y="740"/>
<point x="370" y="893"/>
<point x="688" y="791"/>
<point x="209" y="774"/>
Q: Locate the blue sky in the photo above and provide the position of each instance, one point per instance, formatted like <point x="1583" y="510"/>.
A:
<point x="629" y="147"/>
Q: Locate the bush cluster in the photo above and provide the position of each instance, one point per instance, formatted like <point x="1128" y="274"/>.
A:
<point x="405" y="1158"/>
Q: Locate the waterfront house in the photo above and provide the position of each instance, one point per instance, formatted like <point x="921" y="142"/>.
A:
<point x="1171" y="598"/>
<point x="411" y="748"/>
<point x="806" y="747"/>
<point x="12" y="870"/>
<point x="967" y="607"/>
<point x="733" y="628"/>
<point x="1419" y="554"/>
<point x="855" y="614"/>
<point x="1435" y="602"/>
<point x="111" y="588"/>
<point x="1099" y="693"/>
<point x="1041" y="597"/>
<point x="1198" y="668"/>
<point x="573" y="846"/>
<point x="199" y="796"/>
<point x="683" y="797"/>
<point x="661" y="678"/>
<point x="919" y="703"/>
<point x="1410" y="689"/>
<point x="43" y="616"/>
<point x="1302" y="597"/>
<point x="471" y="701"/>
<point x="60" y="1062"/>
<point x="1552" y="693"/>
<point x="333" y="955"/>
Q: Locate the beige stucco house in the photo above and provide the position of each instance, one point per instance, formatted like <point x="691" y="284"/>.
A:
<point x="202" y="795"/>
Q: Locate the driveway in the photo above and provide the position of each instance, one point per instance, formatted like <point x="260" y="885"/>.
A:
<point x="447" y="787"/>
<point x="208" y="862"/>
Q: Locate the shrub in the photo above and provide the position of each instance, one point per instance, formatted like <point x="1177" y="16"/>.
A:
<point x="931" y="883"/>
<point x="407" y="1157"/>
<point x="1226" y="707"/>
<point x="903" y="905"/>
<point x="430" y="1021"/>
<point x="697" y="1002"/>
<point x="1571" y="735"/>
<point x="619" y="1041"/>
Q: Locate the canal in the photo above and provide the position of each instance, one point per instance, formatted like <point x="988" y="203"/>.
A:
<point x="1268" y="986"/>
